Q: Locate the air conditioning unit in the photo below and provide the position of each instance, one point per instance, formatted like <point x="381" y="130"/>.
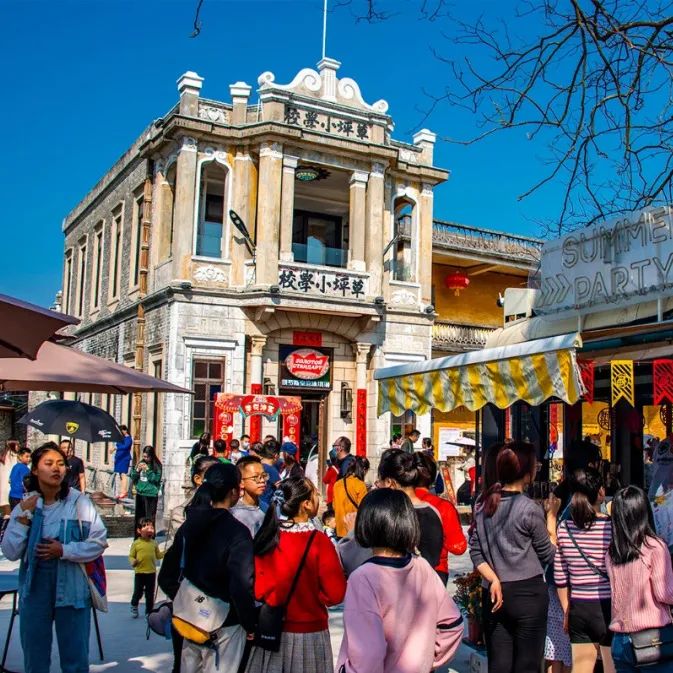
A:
<point x="518" y="304"/>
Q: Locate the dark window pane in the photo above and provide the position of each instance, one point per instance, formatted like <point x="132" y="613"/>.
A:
<point x="200" y="370"/>
<point x="200" y="391"/>
<point x="215" y="371"/>
<point x="198" y="427"/>
<point x="214" y="389"/>
<point x="199" y="409"/>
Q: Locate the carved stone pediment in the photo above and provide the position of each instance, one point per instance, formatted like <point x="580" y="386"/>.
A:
<point x="323" y="84"/>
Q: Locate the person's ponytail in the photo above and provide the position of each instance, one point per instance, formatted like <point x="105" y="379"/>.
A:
<point x="491" y="499"/>
<point x="585" y="486"/>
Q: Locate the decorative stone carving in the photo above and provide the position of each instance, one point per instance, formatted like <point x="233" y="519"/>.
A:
<point x="213" y="114"/>
<point x="189" y="144"/>
<point x="403" y="297"/>
<point x="322" y="82"/>
<point x="209" y="274"/>
<point x="408" y="156"/>
<point x="216" y="154"/>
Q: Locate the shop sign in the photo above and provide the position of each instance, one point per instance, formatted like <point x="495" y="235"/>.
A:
<point x="323" y="282"/>
<point x="260" y="405"/>
<point x="308" y="368"/>
<point x="623" y="261"/>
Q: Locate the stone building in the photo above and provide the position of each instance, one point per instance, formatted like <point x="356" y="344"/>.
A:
<point x="337" y="264"/>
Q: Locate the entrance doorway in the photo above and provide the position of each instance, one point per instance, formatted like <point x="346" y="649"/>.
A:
<point x="313" y="444"/>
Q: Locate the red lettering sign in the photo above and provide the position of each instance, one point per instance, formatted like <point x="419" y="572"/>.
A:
<point x="307" y="339"/>
<point x="307" y="364"/>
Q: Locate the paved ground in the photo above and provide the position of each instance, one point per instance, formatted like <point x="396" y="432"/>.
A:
<point x="125" y="645"/>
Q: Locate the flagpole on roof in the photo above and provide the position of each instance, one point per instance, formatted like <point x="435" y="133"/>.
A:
<point x="324" y="29"/>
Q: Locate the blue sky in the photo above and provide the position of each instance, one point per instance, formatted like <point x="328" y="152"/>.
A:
<point x="81" y="79"/>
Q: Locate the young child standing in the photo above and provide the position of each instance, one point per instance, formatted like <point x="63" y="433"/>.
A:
<point x="143" y="556"/>
<point x="16" y="477"/>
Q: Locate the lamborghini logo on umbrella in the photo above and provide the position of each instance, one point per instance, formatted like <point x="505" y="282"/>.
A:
<point x="71" y="427"/>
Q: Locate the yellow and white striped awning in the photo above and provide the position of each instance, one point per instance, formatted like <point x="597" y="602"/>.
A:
<point x="532" y="371"/>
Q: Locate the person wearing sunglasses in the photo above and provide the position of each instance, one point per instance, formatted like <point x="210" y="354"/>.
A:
<point x="253" y="484"/>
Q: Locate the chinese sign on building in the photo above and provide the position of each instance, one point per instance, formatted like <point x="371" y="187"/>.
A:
<point x="305" y="368"/>
<point x="337" y="283"/>
<point x="328" y="123"/>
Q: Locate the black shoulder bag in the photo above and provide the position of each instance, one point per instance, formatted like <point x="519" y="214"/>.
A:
<point x="271" y="618"/>
<point x="348" y="495"/>
<point x="599" y="571"/>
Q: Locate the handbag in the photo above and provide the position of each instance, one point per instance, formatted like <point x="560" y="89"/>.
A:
<point x="272" y="617"/>
<point x="196" y="615"/>
<point x="95" y="575"/>
<point x="653" y="646"/>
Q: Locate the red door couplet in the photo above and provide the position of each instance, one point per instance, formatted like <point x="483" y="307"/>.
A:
<point x="255" y="421"/>
<point x="361" y="422"/>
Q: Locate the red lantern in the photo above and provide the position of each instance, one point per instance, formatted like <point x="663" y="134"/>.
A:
<point x="456" y="281"/>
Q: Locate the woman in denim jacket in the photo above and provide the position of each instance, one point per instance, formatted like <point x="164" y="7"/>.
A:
<point x="53" y="530"/>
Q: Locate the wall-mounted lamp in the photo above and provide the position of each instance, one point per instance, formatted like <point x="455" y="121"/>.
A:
<point x="379" y="301"/>
<point x="269" y="388"/>
<point x="346" y="400"/>
<point x="429" y="309"/>
<point x="274" y="289"/>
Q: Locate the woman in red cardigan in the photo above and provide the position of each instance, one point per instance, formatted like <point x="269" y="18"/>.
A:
<point x="279" y="546"/>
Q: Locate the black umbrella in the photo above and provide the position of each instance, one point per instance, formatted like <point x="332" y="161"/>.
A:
<point x="74" y="419"/>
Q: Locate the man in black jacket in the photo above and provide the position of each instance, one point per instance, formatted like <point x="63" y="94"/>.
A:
<point x="219" y="561"/>
<point x="342" y="447"/>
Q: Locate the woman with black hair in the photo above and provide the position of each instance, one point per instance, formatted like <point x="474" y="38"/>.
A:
<point x="641" y="579"/>
<point x="349" y="492"/>
<point x="146" y="477"/>
<point x="202" y="447"/>
<point x="394" y="582"/>
<point x="280" y="544"/>
<point x="454" y="541"/>
<point x="403" y="471"/>
<point x="509" y="546"/>
<point x="54" y="530"/>
<point x="580" y="572"/>
<point x="214" y="552"/>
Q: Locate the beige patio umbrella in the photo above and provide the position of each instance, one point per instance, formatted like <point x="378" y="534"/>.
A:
<point x="61" y="368"/>
<point x="25" y="327"/>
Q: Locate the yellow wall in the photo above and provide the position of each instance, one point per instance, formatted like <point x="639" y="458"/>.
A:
<point x="476" y="305"/>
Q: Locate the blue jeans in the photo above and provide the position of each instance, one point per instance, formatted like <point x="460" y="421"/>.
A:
<point x="622" y="655"/>
<point x="38" y="613"/>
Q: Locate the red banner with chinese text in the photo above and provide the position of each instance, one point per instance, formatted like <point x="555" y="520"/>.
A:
<point x="255" y="421"/>
<point x="662" y="381"/>
<point x="361" y="422"/>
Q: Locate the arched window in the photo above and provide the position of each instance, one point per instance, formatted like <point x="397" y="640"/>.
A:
<point x="404" y="264"/>
<point x="210" y="225"/>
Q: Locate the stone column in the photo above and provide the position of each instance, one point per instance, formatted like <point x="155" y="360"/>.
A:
<point x="268" y="212"/>
<point x="374" y="242"/>
<point x="287" y="208"/>
<point x="257" y="344"/>
<point x="243" y="202"/>
<point x="424" y="249"/>
<point x="361" y="351"/>
<point x="185" y="193"/>
<point x="358" y="193"/>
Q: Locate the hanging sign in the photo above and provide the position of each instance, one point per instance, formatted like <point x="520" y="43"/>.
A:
<point x="624" y="261"/>
<point x="588" y="379"/>
<point x="307" y="368"/>
<point x="621" y="377"/>
<point x="662" y="380"/>
<point x="260" y="405"/>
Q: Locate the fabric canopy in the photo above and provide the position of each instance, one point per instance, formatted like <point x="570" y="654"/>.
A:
<point x="67" y="369"/>
<point x="532" y="372"/>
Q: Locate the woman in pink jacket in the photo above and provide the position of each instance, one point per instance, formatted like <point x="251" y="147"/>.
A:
<point x="379" y="637"/>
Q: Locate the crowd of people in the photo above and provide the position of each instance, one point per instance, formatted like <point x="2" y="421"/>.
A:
<point x="573" y="581"/>
<point x="609" y="581"/>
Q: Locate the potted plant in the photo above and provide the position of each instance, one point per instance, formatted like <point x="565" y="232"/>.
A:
<point x="468" y="599"/>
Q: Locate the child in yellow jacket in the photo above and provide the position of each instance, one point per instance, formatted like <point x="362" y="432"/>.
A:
<point x="143" y="556"/>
